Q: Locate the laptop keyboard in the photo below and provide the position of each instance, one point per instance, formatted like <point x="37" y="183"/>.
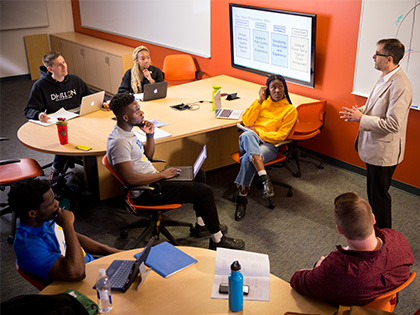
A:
<point x="119" y="271"/>
<point x="225" y="113"/>
<point x="75" y="110"/>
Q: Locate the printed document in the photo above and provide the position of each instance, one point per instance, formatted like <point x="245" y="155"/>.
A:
<point x="255" y="269"/>
<point x="242" y="127"/>
<point x="159" y="134"/>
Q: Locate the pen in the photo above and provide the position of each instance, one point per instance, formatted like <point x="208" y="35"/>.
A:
<point x="55" y="216"/>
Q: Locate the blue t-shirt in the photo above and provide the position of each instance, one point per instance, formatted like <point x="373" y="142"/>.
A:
<point x="38" y="248"/>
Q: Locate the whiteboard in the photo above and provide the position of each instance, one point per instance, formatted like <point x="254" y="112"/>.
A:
<point x="21" y="14"/>
<point x="388" y="19"/>
<point x="182" y="25"/>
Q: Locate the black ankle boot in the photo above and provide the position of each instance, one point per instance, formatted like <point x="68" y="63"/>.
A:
<point x="268" y="190"/>
<point x="241" y="203"/>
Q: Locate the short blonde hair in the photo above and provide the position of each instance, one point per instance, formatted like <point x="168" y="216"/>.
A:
<point x="353" y="216"/>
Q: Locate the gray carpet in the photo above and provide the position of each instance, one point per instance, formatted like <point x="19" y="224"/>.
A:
<point x="294" y="235"/>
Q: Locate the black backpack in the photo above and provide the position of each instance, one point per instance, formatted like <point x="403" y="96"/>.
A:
<point x="68" y="189"/>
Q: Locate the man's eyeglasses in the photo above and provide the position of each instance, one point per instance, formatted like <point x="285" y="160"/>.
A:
<point x="382" y="55"/>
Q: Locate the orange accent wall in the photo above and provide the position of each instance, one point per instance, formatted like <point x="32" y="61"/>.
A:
<point x="337" y="33"/>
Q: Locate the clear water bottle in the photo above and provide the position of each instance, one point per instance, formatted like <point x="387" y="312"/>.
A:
<point x="236" y="282"/>
<point x="103" y="290"/>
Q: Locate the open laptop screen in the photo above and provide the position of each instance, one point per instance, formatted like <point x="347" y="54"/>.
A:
<point x="200" y="160"/>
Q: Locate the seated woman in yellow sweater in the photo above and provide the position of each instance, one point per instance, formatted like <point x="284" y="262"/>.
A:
<point x="270" y="118"/>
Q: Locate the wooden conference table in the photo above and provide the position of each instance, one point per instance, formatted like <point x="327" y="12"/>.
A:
<point x="190" y="129"/>
<point x="188" y="291"/>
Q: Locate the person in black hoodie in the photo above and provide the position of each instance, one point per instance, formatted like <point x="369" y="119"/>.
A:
<point x="55" y="89"/>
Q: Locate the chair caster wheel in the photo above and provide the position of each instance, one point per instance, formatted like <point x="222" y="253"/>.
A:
<point x="124" y="234"/>
<point x="10" y="239"/>
<point x="321" y="167"/>
<point x="271" y="204"/>
<point x="289" y="194"/>
<point x="297" y="174"/>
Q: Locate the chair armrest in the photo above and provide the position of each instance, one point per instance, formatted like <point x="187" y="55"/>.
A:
<point x="139" y="188"/>
<point x="277" y="145"/>
<point x="4" y="162"/>
<point x="198" y="72"/>
<point x="157" y="160"/>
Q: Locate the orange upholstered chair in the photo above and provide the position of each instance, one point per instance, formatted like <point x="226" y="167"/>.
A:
<point x="280" y="160"/>
<point x="309" y="124"/>
<point x="36" y="283"/>
<point x="388" y="301"/>
<point x="157" y="223"/>
<point x="179" y="69"/>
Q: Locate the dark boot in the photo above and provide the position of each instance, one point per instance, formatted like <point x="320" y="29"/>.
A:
<point x="268" y="190"/>
<point x="241" y="203"/>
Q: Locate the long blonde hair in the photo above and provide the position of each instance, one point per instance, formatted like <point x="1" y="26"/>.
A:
<point x="136" y="73"/>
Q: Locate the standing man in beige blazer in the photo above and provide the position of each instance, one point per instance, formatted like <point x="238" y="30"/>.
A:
<point x="383" y="125"/>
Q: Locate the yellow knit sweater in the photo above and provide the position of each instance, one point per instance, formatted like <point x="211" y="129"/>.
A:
<point x="272" y="120"/>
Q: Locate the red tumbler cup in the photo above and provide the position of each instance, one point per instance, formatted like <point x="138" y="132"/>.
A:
<point x="63" y="135"/>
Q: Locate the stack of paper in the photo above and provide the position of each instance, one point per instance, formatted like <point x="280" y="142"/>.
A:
<point x="157" y="123"/>
<point x="61" y="113"/>
<point x="255" y="269"/>
<point x="159" y="133"/>
<point x="242" y="127"/>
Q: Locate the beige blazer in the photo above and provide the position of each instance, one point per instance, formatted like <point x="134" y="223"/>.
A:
<point x="383" y="126"/>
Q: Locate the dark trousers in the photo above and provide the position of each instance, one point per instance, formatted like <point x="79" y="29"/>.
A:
<point x="60" y="162"/>
<point x="378" y="183"/>
<point x="196" y="192"/>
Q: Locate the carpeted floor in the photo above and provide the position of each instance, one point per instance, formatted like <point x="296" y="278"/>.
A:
<point x="294" y="235"/>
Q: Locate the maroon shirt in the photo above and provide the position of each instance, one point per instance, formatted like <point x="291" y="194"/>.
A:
<point x="348" y="277"/>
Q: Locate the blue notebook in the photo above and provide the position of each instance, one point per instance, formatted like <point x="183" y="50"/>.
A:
<point x="166" y="259"/>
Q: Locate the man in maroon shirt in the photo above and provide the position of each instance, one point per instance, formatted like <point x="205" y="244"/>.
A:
<point x="373" y="262"/>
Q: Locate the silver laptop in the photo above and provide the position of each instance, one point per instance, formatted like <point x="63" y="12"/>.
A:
<point x="154" y="91"/>
<point x="122" y="273"/>
<point x="188" y="173"/>
<point x="224" y="113"/>
<point x="90" y="103"/>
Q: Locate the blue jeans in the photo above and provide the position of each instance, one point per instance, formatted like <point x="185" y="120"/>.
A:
<point x="250" y="144"/>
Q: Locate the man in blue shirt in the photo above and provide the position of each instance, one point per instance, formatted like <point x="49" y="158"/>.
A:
<point x="46" y="244"/>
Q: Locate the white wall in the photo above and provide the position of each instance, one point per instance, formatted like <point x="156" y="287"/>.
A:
<point x="398" y="20"/>
<point x="13" y="59"/>
<point x="186" y="26"/>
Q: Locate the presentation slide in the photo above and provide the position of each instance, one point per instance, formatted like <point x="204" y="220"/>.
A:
<point x="274" y="41"/>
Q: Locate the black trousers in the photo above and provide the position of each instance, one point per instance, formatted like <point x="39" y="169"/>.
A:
<point x="196" y="192"/>
<point x="378" y="183"/>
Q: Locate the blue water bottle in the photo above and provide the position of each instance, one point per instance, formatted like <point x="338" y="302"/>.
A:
<point x="236" y="282"/>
